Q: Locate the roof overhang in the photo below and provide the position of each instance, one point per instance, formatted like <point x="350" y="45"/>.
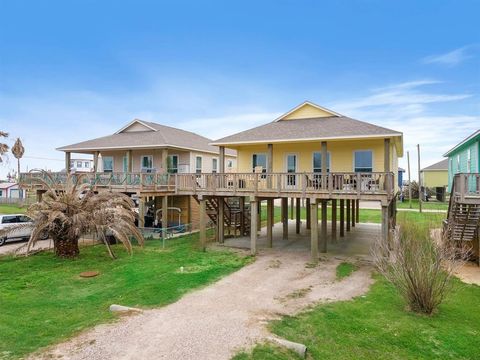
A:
<point x="462" y="143"/>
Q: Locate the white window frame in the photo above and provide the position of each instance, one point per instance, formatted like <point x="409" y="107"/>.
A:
<point x="329" y="161"/>
<point x="358" y="150"/>
<point x="141" y="162"/>
<point x="469" y="160"/>
<point x="214" y="165"/>
<point x="125" y="163"/>
<point x="198" y="170"/>
<point x="458" y="163"/>
<point x="86" y="164"/>
<point x="113" y="163"/>
<point x="79" y="164"/>
<point x="229" y="164"/>
<point x="168" y="162"/>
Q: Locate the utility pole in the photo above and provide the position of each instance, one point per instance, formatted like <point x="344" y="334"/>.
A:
<point x="419" y="181"/>
<point x="409" y="181"/>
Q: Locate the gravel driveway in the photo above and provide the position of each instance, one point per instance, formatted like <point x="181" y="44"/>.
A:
<point x="217" y="321"/>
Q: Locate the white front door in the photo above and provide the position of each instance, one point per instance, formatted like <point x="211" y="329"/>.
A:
<point x="291" y="164"/>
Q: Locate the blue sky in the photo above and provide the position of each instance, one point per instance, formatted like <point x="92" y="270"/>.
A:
<point x="75" y="70"/>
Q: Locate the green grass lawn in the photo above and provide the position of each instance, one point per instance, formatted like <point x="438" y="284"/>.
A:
<point x="430" y="205"/>
<point x="370" y="216"/>
<point x="377" y="326"/>
<point x="43" y="299"/>
<point x="12" y="209"/>
<point x="345" y="269"/>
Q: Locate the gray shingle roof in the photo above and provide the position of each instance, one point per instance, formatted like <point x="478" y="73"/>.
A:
<point x="163" y="136"/>
<point x="306" y="129"/>
<point x="441" y="165"/>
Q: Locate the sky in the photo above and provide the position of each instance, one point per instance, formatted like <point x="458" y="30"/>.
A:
<point x="76" y="70"/>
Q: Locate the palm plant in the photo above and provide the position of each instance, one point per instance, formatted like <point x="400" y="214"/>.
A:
<point x="3" y="147"/>
<point x="71" y="209"/>
<point x="18" y="150"/>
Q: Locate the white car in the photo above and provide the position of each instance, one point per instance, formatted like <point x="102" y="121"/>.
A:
<point x="11" y="220"/>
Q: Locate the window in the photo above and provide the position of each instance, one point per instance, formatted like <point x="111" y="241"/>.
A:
<point x="229" y="164"/>
<point x="259" y="160"/>
<point x="458" y="163"/>
<point x="125" y="164"/>
<point x="87" y="164"/>
<point x="1" y="193"/>
<point x="147" y="162"/>
<point x="363" y="161"/>
<point x="12" y="219"/>
<point x="198" y="164"/>
<point x="317" y="162"/>
<point x="214" y="165"/>
<point x="172" y="164"/>
<point x="108" y="164"/>
<point x="79" y="164"/>
<point x="469" y="160"/>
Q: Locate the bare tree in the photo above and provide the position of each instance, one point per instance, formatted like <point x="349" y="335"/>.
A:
<point x="3" y="147"/>
<point x="419" y="266"/>
<point x="18" y="150"/>
<point x="71" y="209"/>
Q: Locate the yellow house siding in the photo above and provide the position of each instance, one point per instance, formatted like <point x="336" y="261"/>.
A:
<point x="341" y="155"/>
<point x="307" y="111"/>
<point x="435" y="178"/>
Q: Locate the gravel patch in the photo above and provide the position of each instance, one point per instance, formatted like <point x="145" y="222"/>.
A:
<point x="219" y="320"/>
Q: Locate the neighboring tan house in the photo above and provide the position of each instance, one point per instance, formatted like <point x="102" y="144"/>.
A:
<point x="436" y="177"/>
<point x="464" y="157"/>
<point x="146" y="150"/>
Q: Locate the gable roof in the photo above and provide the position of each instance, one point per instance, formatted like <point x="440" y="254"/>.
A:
<point x="154" y="136"/>
<point x="321" y="111"/>
<point x="7" y="185"/>
<point x="464" y="141"/>
<point x="441" y="165"/>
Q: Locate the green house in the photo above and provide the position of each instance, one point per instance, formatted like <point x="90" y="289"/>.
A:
<point x="464" y="157"/>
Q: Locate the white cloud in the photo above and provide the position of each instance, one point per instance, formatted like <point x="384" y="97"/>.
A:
<point x="451" y="58"/>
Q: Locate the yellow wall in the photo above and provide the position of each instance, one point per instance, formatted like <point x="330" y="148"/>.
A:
<point x="435" y="178"/>
<point x="307" y="111"/>
<point x="341" y="155"/>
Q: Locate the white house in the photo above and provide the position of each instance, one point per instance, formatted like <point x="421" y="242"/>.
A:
<point x="10" y="190"/>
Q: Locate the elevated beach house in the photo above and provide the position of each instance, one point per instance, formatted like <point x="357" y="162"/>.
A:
<point x="435" y="177"/>
<point x="310" y="155"/>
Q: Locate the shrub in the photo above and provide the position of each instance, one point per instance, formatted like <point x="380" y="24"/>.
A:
<point x="418" y="266"/>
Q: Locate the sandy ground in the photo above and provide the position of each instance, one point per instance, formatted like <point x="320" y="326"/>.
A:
<point x="229" y="315"/>
<point x="469" y="273"/>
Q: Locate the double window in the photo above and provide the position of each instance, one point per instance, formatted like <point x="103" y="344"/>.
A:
<point x="317" y="162"/>
<point x="363" y="161"/>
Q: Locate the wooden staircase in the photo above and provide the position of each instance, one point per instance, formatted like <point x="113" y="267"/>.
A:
<point x="232" y="214"/>
<point x="463" y="218"/>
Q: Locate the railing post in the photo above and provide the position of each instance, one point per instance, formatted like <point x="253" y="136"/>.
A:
<point x="462" y="178"/>
<point x="176" y="183"/>
<point x="359" y="183"/>
<point x="330" y="184"/>
<point x="256" y="184"/>
<point x="279" y="183"/>
<point x="304" y="184"/>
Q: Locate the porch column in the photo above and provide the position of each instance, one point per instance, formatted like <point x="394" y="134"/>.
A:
<point x="307" y="210"/>
<point x="348" y="215"/>
<point x="357" y="208"/>
<point x="270" y="181"/>
<point x="221" y="220"/>
<point x="323" y="232"/>
<point x="354" y="202"/>
<point x="95" y="161"/>
<point x="242" y="215"/>
<point x="259" y="211"/>
<point x="386" y="152"/>
<point x="314" y="230"/>
<point x="270" y="222"/>
<point x="324" y="164"/>
<point x="203" y="223"/>
<point x="253" y="226"/>
<point x="342" y="218"/>
<point x="297" y="216"/>
<point x="141" y="212"/>
<point x="385" y="223"/>
<point x="164" y="214"/>
<point x="334" y="219"/>
<point x="285" y="217"/>
<point x="221" y="165"/>
<point x="164" y="161"/>
<point x="68" y="157"/>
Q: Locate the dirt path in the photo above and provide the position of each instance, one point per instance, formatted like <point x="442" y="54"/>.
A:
<point x="217" y="321"/>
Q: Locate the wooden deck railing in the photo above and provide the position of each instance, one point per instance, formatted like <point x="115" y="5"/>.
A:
<point x="466" y="185"/>
<point x="233" y="183"/>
